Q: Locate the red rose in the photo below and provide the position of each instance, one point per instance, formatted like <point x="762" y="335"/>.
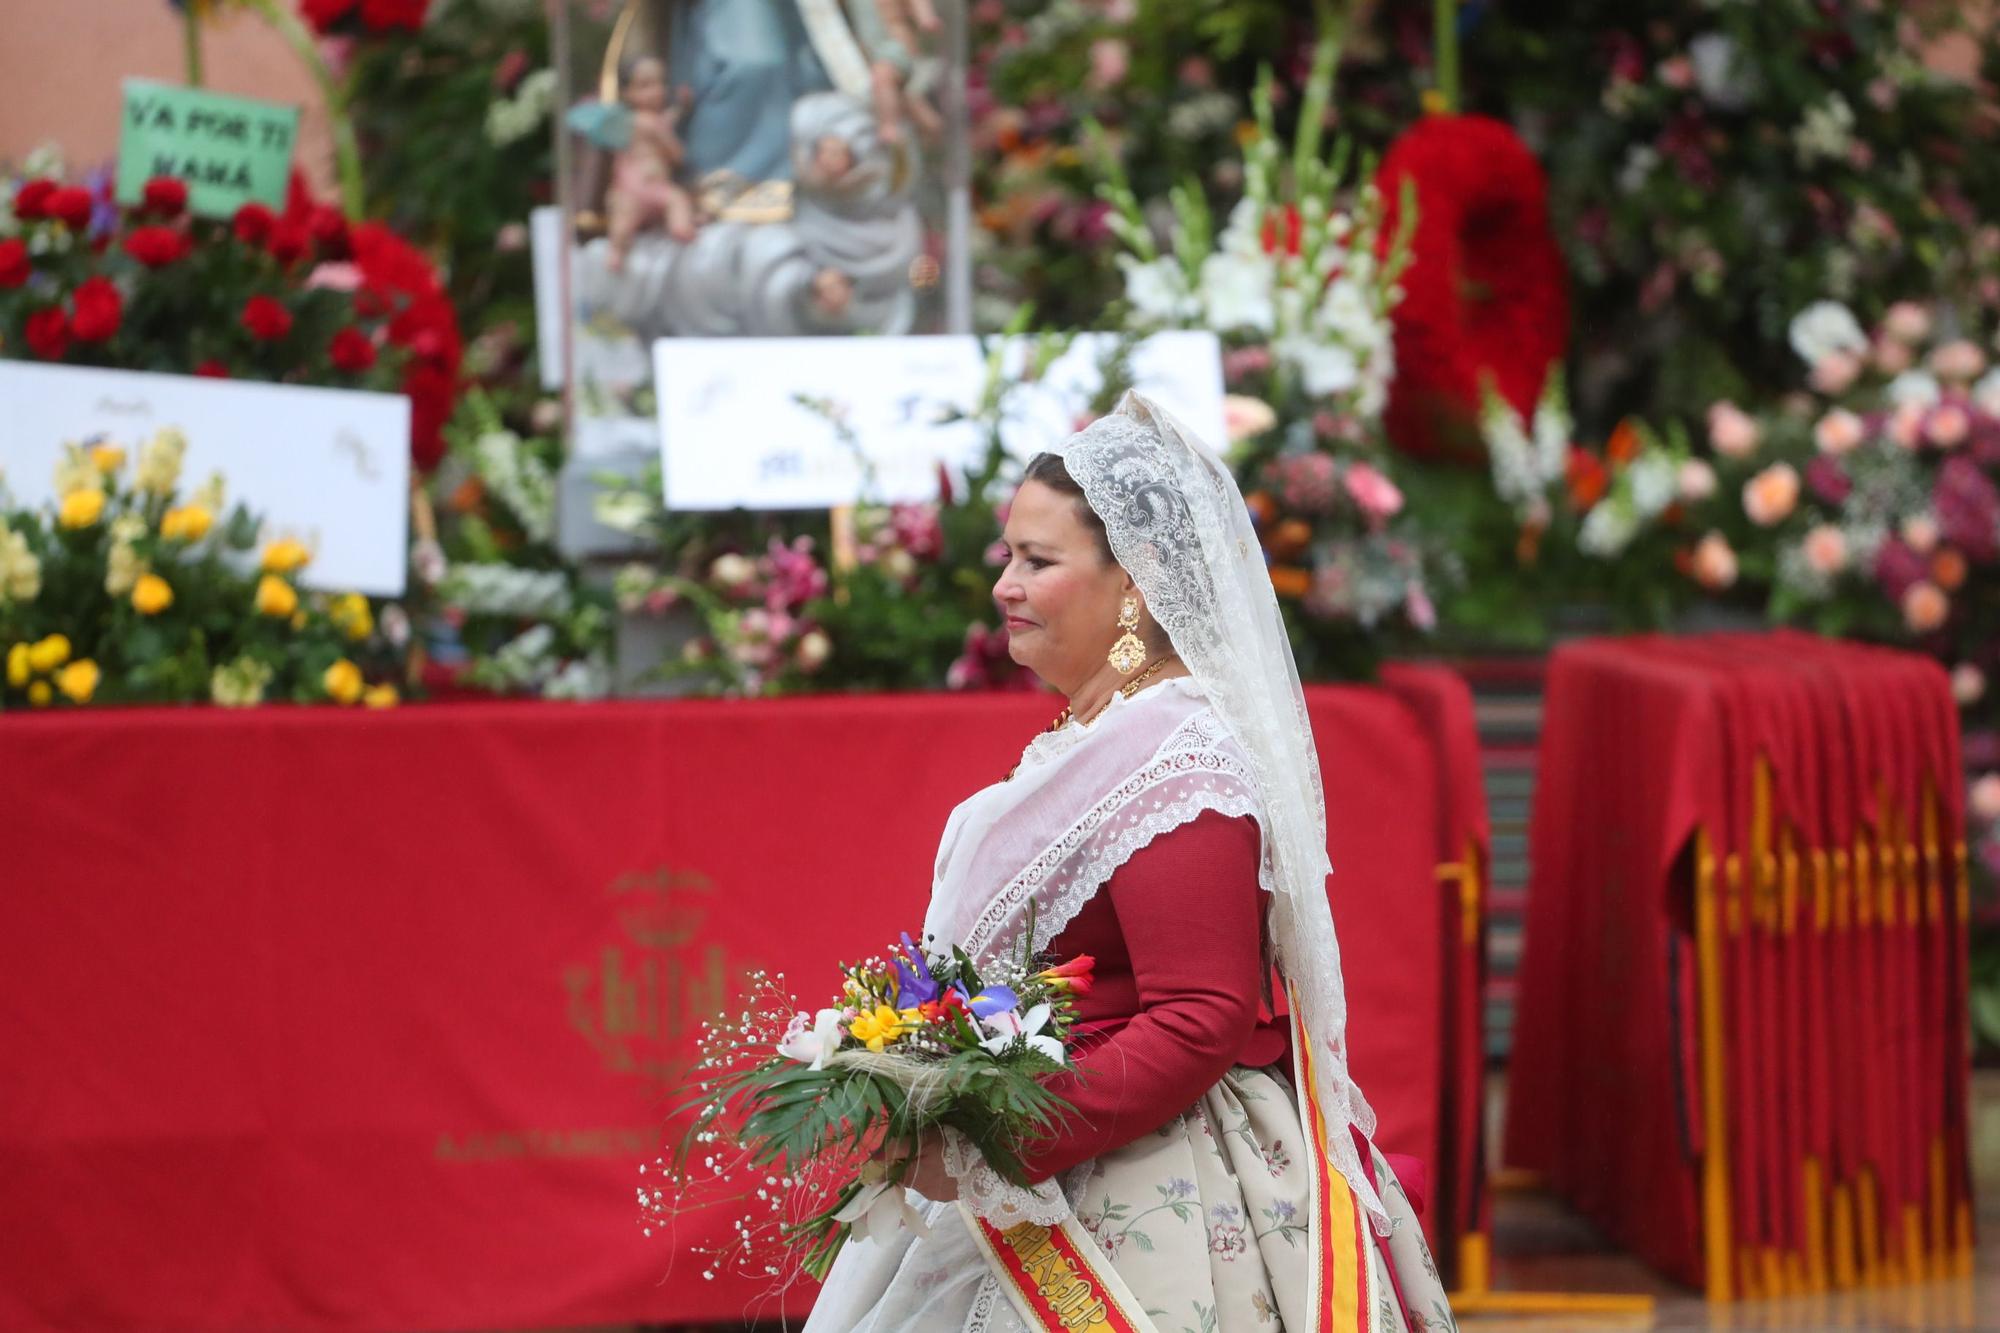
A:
<point x="31" y="201"/>
<point x="266" y="319"/>
<point x="351" y="350"/>
<point x="323" y="14"/>
<point x="290" y="242"/>
<point x="14" y="265"/>
<point x="156" y="247"/>
<point x="48" y="333"/>
<point x="212" y="369"/>
<point x="253" y="222"/>
<point x="71" y="205"/>
<point x="99" y="310"/>
<point x="166" y="197"/>
<point x="381" y="15"/>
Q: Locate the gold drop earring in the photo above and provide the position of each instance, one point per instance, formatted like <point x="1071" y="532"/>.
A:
<point x="1129" y="653"/>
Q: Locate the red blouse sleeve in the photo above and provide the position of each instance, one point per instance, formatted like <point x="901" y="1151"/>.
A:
<point x="1191" y="914"/>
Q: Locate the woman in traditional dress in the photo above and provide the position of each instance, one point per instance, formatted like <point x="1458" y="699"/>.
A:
<point x="1215" y="1170"/>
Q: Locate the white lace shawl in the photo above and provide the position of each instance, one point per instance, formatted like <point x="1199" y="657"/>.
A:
<point x="1083" y="801"/>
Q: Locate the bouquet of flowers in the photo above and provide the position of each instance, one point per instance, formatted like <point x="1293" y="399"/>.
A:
<point x="830" y="1107"/>
<point x="129" y="590"/>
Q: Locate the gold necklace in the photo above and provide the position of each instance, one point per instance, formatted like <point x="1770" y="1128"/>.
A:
<point x="1128" y="689"/>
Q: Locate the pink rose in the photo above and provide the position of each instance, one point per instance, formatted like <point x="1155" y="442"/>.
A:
<point x="1892" y="357"/>
<point x="334" y="278"/>
<point x="1771" y="495"/>
<point x="1960" y="360"/>
<point x="1245" y="418"/>
<point x="1836" y="372"/>
<point x="1948" y="426"/>
<point x="1677" y="72"/>
<point x="1826" y="549"/>
<point x="1374" y="494"/>
<point x="1984" y="798"/>
<point x="1907" y="322"/>
<point x="1968" y="684"/>
<point x="1418" y="607"/>
<point x="1925" y="606"/>
<point x="1714" y="562"/>
<point x="1696" y="481"/>
<point x="1110" y="61"/>
<point x="1732" y="431"/>
<point x="1838" y="432"/>
<point x="1920" y="533"/>
<point x="1906" y="427"/>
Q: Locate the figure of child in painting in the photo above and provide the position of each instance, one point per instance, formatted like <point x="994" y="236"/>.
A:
<point x="643" y="189"/>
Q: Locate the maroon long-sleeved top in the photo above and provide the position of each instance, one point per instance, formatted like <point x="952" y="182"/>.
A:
<point x="1178" y="935"/>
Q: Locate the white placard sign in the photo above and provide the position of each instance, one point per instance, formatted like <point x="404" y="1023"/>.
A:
<point x="330" y="467"/>
<point x="810" y="423"/>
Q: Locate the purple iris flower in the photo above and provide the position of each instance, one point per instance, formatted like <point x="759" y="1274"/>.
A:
<point x="993" y="1000"/>
<point x="914" y="983"/>
<point x="100" y="180"/>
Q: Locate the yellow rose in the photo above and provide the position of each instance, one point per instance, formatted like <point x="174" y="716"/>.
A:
<point x="107" y="458"/>
<point x="18" y="668"/>
<point x="286" y="556"/>
<point x="81" y="508"/>
<point x="381" y="696"/>
<point x="350" y="613"/>
<point x="343" y="682"/>
<point x="49" y="654"/>
<point x="39" y="694"/>
<point x="275" y="597"/>
<point x="151" y="595"/>
<point x="79" y="680"/>
<point x="186" y="523"/>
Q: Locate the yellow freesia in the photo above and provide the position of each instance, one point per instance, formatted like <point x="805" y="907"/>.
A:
<point x="381" y="696"/>
<point x="275" y="597"/>
<point x="18" y="668"/>
<point x="49" y="654"/>
<point x="107" y="458"/>
<point x="186" y="523"/>
<point x="81" y="508"/>
<point x="878" y="1028"/>
<point x="39" y="694"/>
<point x="286" y="556"/>
<point x="78" y="681"/>
<point x="343" y="682"/>
<point x="151" y="595"/>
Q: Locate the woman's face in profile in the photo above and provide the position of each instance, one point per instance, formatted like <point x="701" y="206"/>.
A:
<point x="1058" y="593"/>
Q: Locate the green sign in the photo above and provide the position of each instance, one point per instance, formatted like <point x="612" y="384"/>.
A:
<point x="231" y="151"/>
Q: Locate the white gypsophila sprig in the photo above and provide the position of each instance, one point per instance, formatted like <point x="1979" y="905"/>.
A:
<point x="484" y="589"/>
<point x="522" y="481"/>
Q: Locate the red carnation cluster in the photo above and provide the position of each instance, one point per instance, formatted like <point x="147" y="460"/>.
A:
<point x="318" y="301"/>
<point x="396" y="277"/>
<point x="1484" y="295"/>
<point x="356" y="17"/>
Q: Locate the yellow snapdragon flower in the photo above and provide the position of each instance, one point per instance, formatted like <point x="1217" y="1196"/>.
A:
<point x="351" y="615"/>
<point x="107" y="458"/>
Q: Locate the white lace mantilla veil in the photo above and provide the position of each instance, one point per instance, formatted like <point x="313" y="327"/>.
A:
<point x="1232" y="737"/>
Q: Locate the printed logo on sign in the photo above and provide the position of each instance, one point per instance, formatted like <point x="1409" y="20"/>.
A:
<point x="641" y="1002"/>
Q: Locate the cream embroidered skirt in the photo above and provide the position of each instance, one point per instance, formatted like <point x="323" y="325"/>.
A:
<point x="1205" y="1221"/>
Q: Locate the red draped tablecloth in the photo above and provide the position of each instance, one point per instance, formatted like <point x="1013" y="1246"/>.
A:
<point x="324" y="1020"/>
<point x="1741" y="1039"/>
